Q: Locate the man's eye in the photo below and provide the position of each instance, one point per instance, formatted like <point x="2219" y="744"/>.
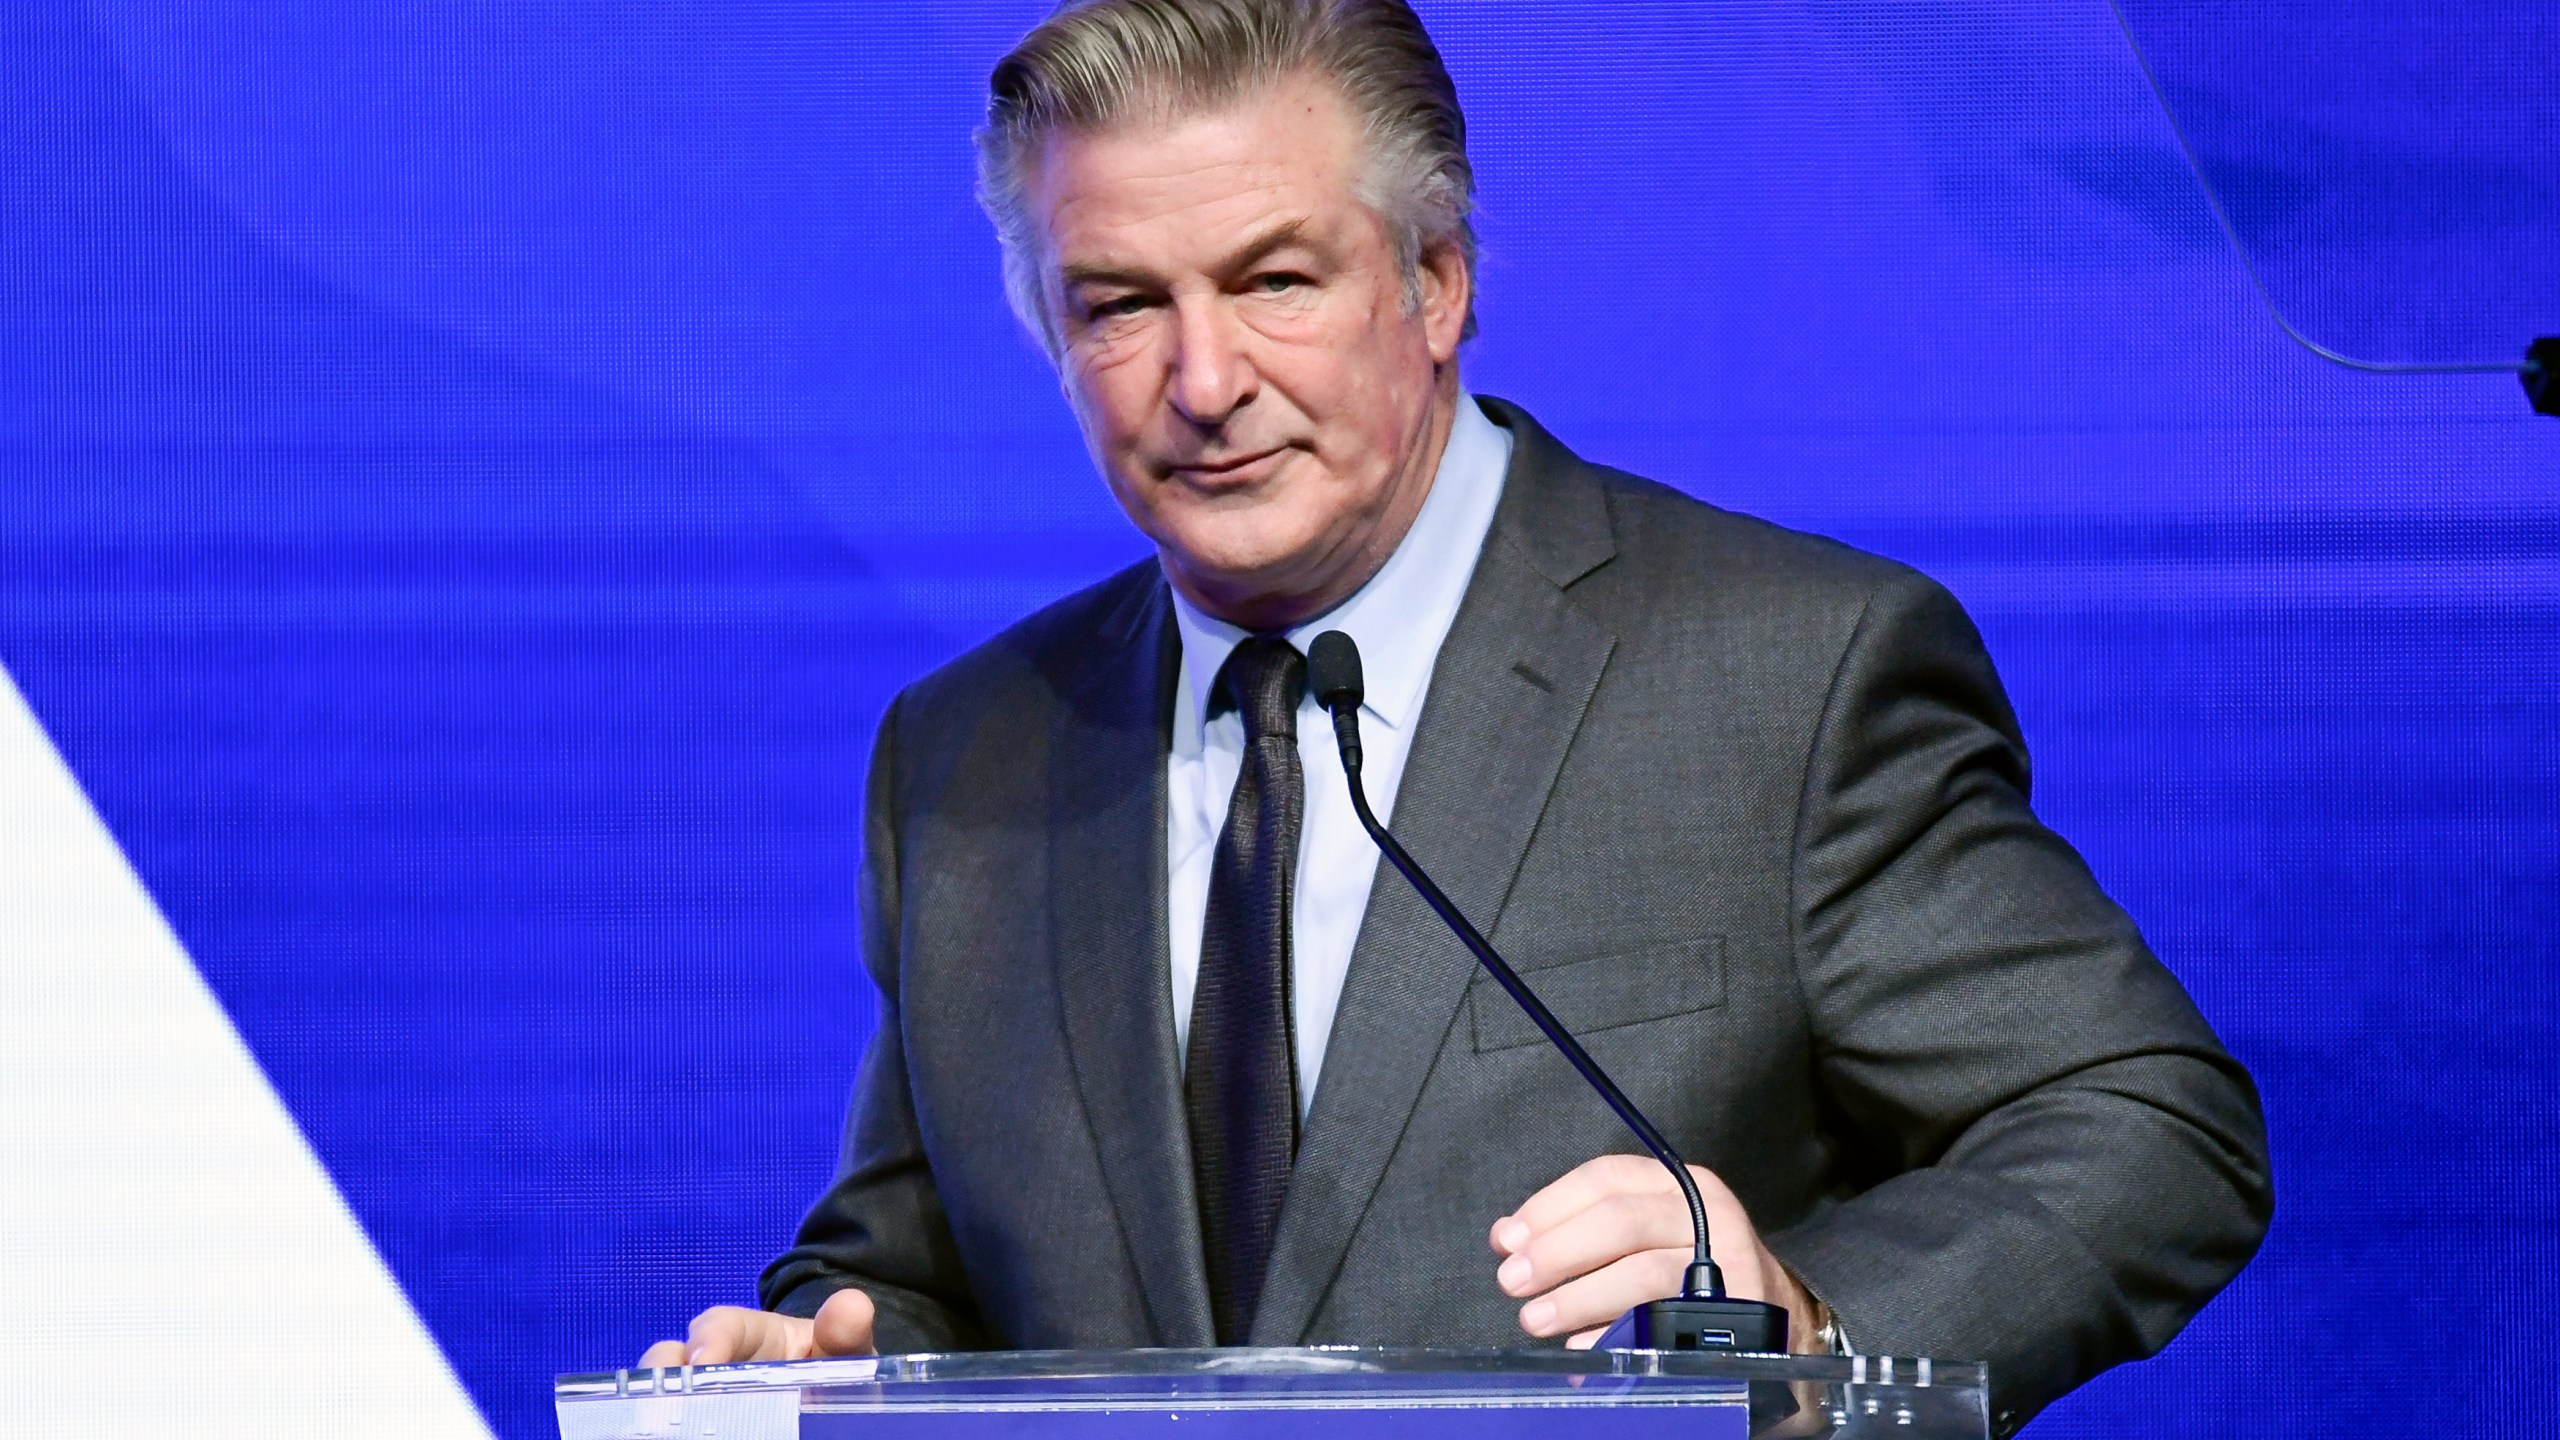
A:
<point x="1277" y="282"/>
<point x="1116" y="307"/>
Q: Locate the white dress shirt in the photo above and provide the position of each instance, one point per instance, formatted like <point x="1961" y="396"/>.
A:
<point x="1399" y="619"/>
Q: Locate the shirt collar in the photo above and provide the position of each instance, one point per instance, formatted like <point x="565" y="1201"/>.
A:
<point x="1399" y="618"/>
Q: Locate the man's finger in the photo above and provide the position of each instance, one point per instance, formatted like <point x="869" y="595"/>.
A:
<point x="716" y="1337"/>
<point x="1607" y="1230"/>
<point x="777" y="1337"/>
<point x="729" y="1334"/>
<point x="843" y="1325"/>
<point x="1599" y="1298"/>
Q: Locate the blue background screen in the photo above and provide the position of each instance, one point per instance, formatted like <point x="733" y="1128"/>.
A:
<point x="472" y="473"/>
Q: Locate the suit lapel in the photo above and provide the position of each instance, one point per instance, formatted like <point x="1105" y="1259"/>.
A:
<point x="1107" y="899"/>
<point x="1507" y="694"/>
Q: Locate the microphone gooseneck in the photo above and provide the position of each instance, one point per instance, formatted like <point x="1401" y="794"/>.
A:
<point x="1333" y="676"/>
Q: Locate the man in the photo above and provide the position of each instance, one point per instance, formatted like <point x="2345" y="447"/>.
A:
<point x="1162" y="1062"/>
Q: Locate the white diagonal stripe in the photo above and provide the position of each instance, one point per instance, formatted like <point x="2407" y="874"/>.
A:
<point x="173" y="1258"/>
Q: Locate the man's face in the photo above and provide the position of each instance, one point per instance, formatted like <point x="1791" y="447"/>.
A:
<point x="1236" y="343"/>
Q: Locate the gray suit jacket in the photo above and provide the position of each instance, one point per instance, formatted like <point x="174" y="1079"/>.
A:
<point x="1748" y="807"/>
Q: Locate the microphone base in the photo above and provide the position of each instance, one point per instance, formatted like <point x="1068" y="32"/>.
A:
<point x="1699" y="1323"/>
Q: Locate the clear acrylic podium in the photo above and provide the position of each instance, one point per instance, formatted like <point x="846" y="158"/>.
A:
<point x="1330" y="1393"/>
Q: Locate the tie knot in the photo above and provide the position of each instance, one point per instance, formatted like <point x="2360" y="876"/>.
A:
<point x="1264" y="678"/>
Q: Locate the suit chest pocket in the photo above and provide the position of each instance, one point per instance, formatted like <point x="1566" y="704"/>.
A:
<point x="1603" y="992"/>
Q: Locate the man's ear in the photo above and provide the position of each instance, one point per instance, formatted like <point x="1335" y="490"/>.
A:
<point x="1448" y="295"/>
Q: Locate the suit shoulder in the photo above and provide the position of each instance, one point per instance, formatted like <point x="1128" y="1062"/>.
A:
<point x="1670" y="537"/>
<point x="1783" y="602"/>
<point x="1034" y="656"/>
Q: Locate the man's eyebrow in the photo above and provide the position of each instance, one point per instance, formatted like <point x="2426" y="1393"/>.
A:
<point x="1253" y="252"/>
<point x="1074" y="275"/>
<point x="1263" y="246"/>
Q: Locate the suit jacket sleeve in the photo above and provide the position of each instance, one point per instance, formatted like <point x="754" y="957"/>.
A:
<point x="2066" y="1164"/>
<point x="880" y="1226"/>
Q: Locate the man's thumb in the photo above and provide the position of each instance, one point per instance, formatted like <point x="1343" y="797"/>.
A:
<point x="843" y="1325"/>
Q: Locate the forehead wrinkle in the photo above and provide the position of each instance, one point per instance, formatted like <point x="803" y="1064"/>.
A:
<point x="1097" y="236"/>
<point x="1272" y="239"/>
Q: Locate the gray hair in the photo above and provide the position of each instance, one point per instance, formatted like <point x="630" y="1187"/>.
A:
<point x="1093" y="62"/>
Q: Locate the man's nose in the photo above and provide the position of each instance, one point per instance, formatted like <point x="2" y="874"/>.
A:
<point x="1212" y="376"/>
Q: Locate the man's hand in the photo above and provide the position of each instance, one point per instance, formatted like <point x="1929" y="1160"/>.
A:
<point x="1614" y="1233"/>
<point x="730" y="1334"/>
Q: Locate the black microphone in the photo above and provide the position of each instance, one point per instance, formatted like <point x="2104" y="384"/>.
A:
<point x="1702" y="1316"/>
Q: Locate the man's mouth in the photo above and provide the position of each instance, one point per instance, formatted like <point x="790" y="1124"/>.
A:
<point x="1226" y="469"/>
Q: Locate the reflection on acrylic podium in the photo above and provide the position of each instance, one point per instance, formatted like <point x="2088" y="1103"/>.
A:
<point x="1334" y="1394"/>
